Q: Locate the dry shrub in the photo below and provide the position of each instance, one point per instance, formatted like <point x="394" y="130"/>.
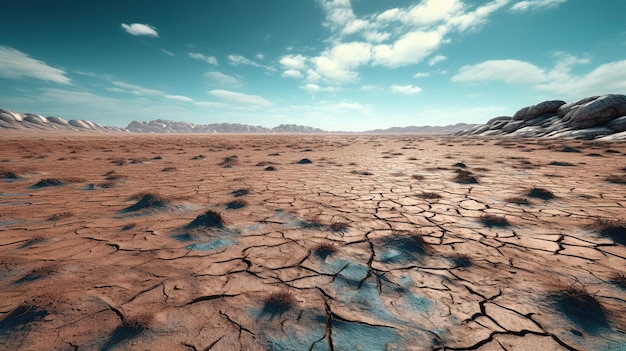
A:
<point x="491" y="220"/>
<point x="324" y="250"/>
<point x="429" y="195"/>
<point x="60" y="215"/>
<point x="339" y="227"/>
<point x="615" y="230"/>
<point x="616" y="179"/>
<point x="580" y="307"/>
<point x="464" y="177"/>
<point x="519" y="200"/>
<point x="540" y="193"/>
<point x="236" y="204"/>
<point x="278" y="303"/>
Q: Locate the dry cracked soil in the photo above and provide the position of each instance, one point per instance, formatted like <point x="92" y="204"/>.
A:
<point x="311" y="242"/>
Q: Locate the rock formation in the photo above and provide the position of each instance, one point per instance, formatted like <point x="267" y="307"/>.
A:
<point x="596" y="117"/>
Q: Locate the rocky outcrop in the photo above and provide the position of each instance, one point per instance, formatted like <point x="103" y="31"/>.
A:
<point x="594" y="117"/>
<point x="19" y="121"/>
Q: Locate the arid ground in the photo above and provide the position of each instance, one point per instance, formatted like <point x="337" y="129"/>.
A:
<point x="310" y="242"/>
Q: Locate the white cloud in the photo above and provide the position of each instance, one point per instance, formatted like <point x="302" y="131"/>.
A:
<point x="259" y="56"/>
<point x="292" y="73"/>
<point x="339" y="63"/>
<point x="294" y="62"/>
<point x="421" y="75"/>
<point x="198" y="56"/>
<point x="435" y="60"/>
<point x="223" y="79"/>
<point x="530" y="5"/>
<point x="250" y="101"/>
<point x="314" y="88"/>
<point x="236" y="60"/>
<point x="138" y="90"/>
<point x="478" y="17"/>
<point x="179" y="98"/>
<point x="432" y="11"/>
<point x="139" y="29"/>
<point x="509" y="71"/>
<point x="604" y="79"/>
<point x="167" y="52"/>
<point x="406" y="89"/>
<point x="411" y="48"/>
<point x="15" y="64"/>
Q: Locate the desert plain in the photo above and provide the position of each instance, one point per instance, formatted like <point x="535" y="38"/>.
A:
<point x="119" y="241"/>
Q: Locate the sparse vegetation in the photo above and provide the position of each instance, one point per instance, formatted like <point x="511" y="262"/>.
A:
<point x="560" y="163"/>
<point x="616" y="179"/>
<point x="491" y="220"/>
<point x="363" y="173"/>
<point x="581" y="308"/>
<point x="540" y="193"/>
<point x="236" y="204"/>
<point x="339" y="227"/>
<point x="324" y="251"/>
<point x="615" y="230"/>
<point x="47" y="182"/>
<point x="464" y="177"/>
<point x="240" y="192"/>
<point x="429" y="195"/>
<point x="519" y="200"/>
<point x="461" y="260"/>
<point x="60" y="215"/>
<point x="277" y="304"/>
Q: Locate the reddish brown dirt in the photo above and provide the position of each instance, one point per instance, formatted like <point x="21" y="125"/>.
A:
<point x="191" y="242"/>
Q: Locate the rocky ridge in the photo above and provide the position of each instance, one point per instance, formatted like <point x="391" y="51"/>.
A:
<point x="424" y="129"/>
<point x="19" y="121"/>
<point x="595" y="117"/>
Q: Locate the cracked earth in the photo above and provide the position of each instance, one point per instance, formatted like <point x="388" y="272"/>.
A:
<point x="335" y="242"/>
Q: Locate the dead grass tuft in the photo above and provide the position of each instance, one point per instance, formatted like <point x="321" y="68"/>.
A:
<point x="491" y="220"/>
<point x="581" y="308"/>
<point x="60" y="215"/>
<point x="519" y="200"/>
<point x="464" y="177"/>
<point x="616" y="179"/>
<point x="277" y="304"/>
<point x="236" y="204"/>
<point x="429" y="195"/>
<point x="339" y="227"/>
<point x="324" y="250"/>
<point x="615" y="230"/>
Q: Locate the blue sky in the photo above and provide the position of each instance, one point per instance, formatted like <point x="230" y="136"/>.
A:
<point x="348" y="65"/>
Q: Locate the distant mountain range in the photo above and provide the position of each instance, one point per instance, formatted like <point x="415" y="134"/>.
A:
<point x="30" y="121"/>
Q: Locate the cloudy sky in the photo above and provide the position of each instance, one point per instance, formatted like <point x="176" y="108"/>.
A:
<point x="347" y="65"/>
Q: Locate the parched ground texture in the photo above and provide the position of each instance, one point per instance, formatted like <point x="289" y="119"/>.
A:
<point x="311" y="242"/>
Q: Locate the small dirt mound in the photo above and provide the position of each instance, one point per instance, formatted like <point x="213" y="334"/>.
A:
<point x="148" y="201"/>
<point x="304" y="161"/>
<point x="209" y="219"/>
<point x="465" y="177"/>
<point x="229" y="162"/>
<point x="491" y="221"/>
<point x="569" y="149"/>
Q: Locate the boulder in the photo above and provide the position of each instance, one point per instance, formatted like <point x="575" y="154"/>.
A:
<point x="597" y="112"/>
<point x="618" y="124"/>
<point x="498" y="119"/>
<point x="584" y="134"/>
<point x="565" y="109"/>
<point x="528" y="132"/>
<point x="512" y="126"/>
<point x="542" y="108"/>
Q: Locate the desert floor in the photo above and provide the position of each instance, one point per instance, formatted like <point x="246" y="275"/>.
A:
<point x="236" y="242"/>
